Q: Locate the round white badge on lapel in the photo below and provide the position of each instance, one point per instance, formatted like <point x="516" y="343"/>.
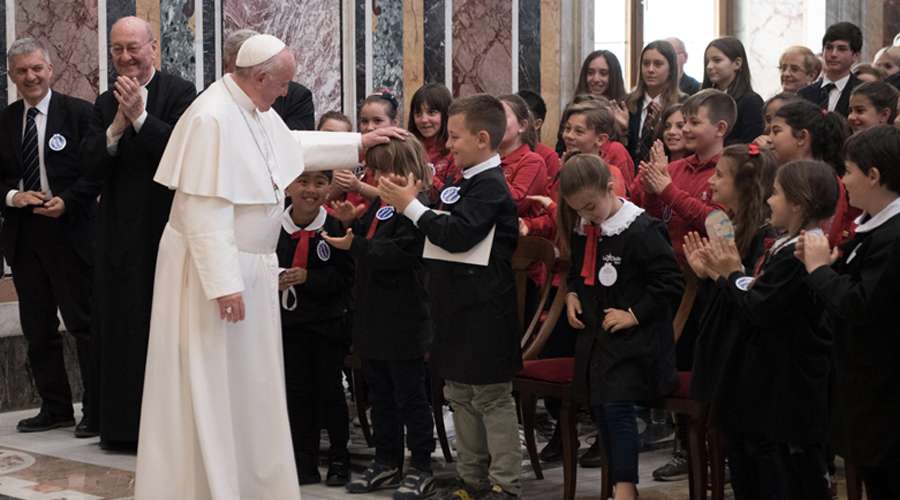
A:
<point x="450" y="195"/>
<point x="323" y="251"/>
<point x="384" y="213"/>
<point x="57" y="142"/>
<point x="608" y="275"/>
<point x="743" y="283"/>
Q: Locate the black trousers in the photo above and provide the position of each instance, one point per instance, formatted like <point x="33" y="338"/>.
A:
<point x="315" y="396"/>
<point x="49" y="275"/>
<point x="398" y="398"/>
<point x="777" y="471"/>
<point x="881" y="483"/>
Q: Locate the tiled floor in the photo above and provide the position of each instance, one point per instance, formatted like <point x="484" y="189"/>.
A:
<point x="55" y="466"/>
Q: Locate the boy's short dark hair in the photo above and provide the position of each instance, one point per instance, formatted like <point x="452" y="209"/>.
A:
<point x="482" y="112"/>
<point x="877" y="147"/>
<point x="327" y="173"/>
<point x="719" y="106"/>
<point x="847" y="32"/>
<point x="535" y="103"/>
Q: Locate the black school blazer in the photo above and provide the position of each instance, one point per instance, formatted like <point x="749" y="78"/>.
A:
<point x="474" y="307"/>
<point x="860" y="293"/>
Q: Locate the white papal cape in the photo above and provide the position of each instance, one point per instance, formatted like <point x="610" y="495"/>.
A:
<point x="214" y="419"/>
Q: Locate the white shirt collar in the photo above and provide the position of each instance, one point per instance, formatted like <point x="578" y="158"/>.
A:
<point x="288" y="223"/>
<point x="43" y="105"/>
<point x="839" y="84"/>
<point x="240" y="97"/>
<point x="648" y="100"/>
<point x="786" y="241"/>
<point x="865" y="224"/>
<point x="492" y="162"/>
<point x="619" y="222"/>
<point x="152" y="74"/>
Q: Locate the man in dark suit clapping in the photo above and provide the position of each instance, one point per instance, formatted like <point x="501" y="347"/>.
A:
<point x="49" y="206"/>
<point x="841" y="46"/>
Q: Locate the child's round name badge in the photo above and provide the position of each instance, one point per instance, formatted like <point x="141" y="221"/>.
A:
<point x="57" y="142"/>
<point x="744" y="283"/>
<point x="450" y="195"/>
<point x="323" y="251"/>
<point x="384" y="213"/>
<point x="608" y="275"/>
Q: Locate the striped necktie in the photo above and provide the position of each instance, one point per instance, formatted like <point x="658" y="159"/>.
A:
<point x="31" y="175"/>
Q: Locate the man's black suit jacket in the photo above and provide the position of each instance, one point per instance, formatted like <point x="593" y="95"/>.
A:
<point x="70" y="118"/>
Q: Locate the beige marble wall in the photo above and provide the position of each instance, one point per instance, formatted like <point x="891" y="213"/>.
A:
<point x="413" y="50"/>
<point x="550" y="67"/>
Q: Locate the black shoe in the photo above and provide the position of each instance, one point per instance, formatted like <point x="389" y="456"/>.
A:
<point x="338" y="473"/>
<point x="44" y="421"/>
<point x="86" y="429"/>
<point x="455" y="489"/>
<point x="377" y="476"/>
<point x="594" y="458"/>
<point x="416" y="484"/>
<point x="675" y="470"/>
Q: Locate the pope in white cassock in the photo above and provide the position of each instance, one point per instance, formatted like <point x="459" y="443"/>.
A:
<point x="214" y="422"/>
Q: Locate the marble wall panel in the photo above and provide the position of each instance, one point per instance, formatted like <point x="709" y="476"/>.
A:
<point x="529" y="45"/>
<point x="116" y="9"/>
<point x="482" y="54"/>
<point x="148" y="10"/>
<point x="360" y="40"/>
<point x="209" y="42"/>
<point x="312" y="28"/>
<point x="69" y="28"/>
<point x="891" y="20"/>
<point x="177" y="25"/>
<point x="413" y="51"/>
<point x="767" y="28"/>
<point x="387" y="48"/>
<point x="17" y="389"/>
<point x="3" y="80"/>
<point x="551" y="11"/>
<point x="435" y="40"/>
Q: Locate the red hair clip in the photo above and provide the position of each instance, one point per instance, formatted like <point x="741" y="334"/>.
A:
<point x="753" y="150"/>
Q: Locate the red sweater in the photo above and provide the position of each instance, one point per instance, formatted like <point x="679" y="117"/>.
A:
<point x="842" y="227"/>
<point x="614" y="153"/>
<point x="526" y="175"/>
<point x="685" y="202"/>
<point x="544" y="224"/>
<point x="445" y="170"/>
<point x="551" y="159"/>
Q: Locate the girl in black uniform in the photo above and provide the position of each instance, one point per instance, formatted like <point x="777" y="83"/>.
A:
<point x="624" y="288"/>
<point x="776" y="426"/>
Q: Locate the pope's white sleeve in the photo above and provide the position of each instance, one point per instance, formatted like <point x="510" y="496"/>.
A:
<point x="208" y="225"/>
<point x="328" y="150"/>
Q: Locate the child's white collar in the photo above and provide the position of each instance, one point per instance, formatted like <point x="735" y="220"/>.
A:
<point x="493" y="161"/>
<point x="288" y="223"/>
<point x="620" y="221"/>
<point x="878" y="219"/>
<point x="786" y="241"/>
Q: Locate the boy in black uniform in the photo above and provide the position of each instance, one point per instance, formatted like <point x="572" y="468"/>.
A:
<point x="476" y="345"/>
<point x="860" y="291"/>
<point x="315" y="299"/>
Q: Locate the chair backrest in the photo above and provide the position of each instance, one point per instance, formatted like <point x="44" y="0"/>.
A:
<point x="532" y="253"/>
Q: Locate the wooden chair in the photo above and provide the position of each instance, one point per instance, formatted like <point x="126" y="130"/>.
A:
<point x="530" y="251"/>
<point x="854" y="482"/>
<point x="360" y="395"/>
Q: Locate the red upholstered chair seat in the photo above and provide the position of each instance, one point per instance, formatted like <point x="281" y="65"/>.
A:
<point x="684" y="386"/>
<point x="557" y="370"/>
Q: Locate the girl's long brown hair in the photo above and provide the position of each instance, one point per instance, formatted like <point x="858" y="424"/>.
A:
<point x="581" y="171"/>
<point x="754" y="174"/>
<point x="670" y="94"/>
<point x="810" y="184"/>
